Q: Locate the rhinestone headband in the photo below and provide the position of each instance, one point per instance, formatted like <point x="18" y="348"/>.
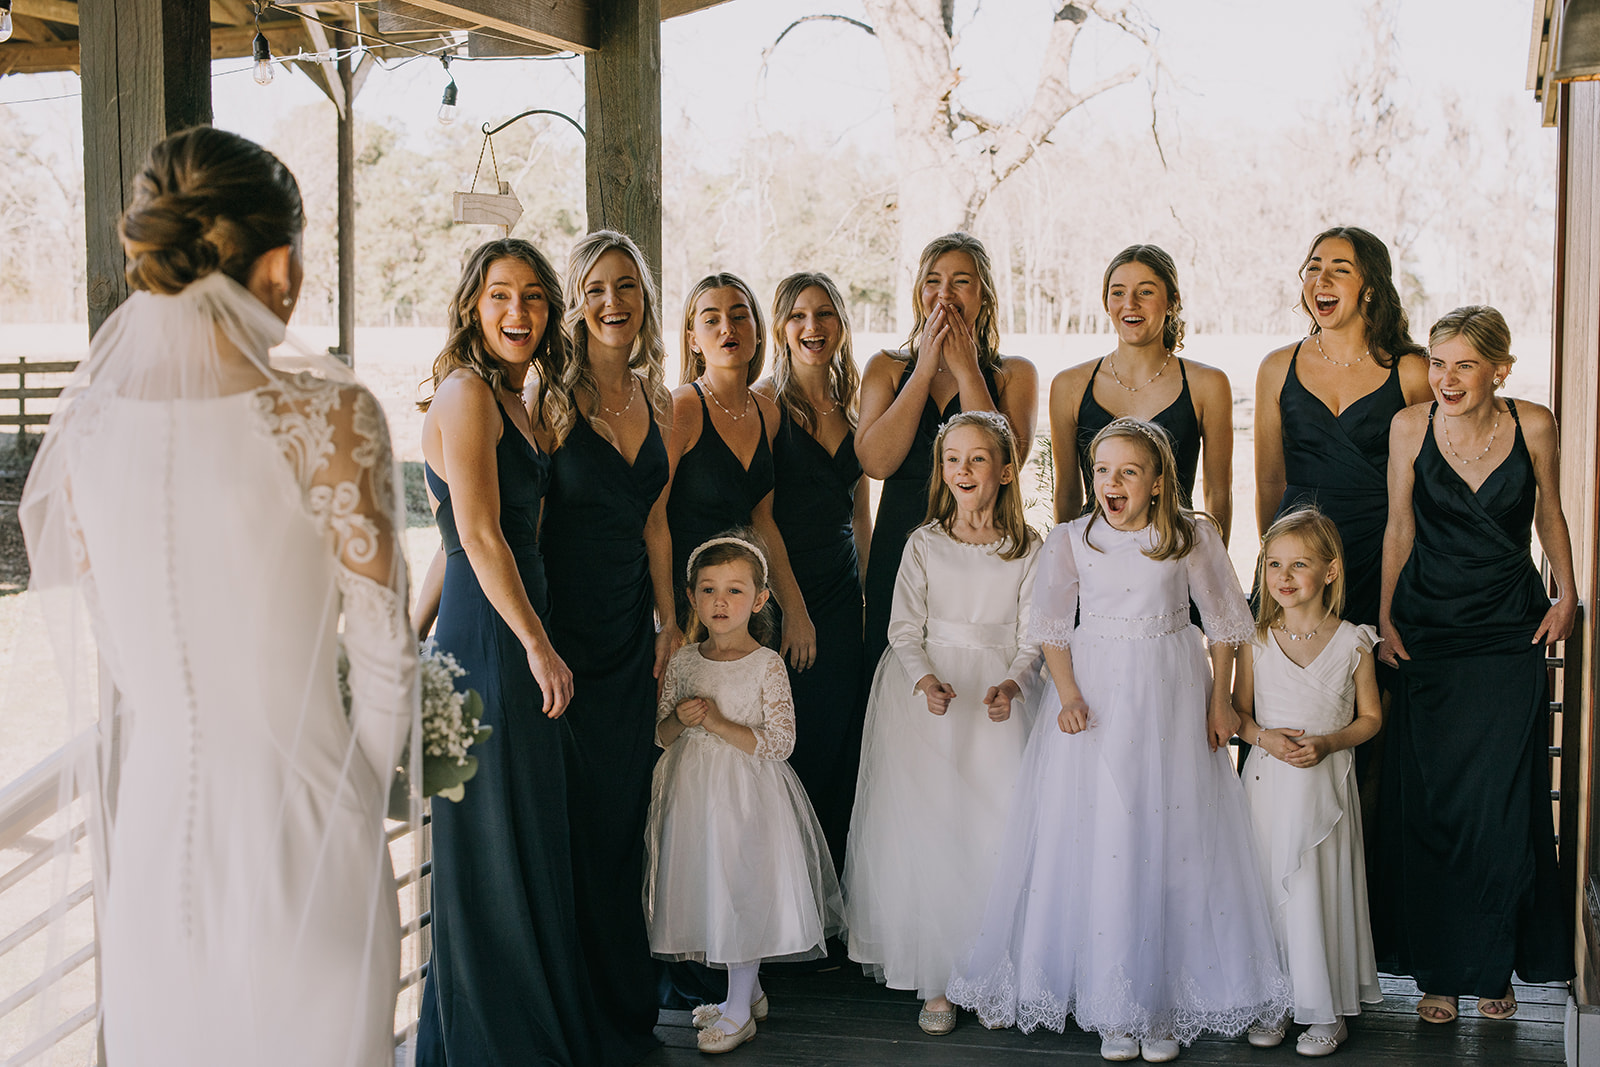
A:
<point x="741" y="542"/>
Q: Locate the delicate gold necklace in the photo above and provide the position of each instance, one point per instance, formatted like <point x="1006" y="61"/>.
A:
<point x="1317" y="338"/>
<point x="633" y="380"/>
<point x="1111" y="366"/>
<point x="1448" y="447"/>
<point x="1291" y="635"/>
<point x="713" y="394"/>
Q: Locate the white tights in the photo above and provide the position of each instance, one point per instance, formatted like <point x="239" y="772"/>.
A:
<point x="744" y="989"/>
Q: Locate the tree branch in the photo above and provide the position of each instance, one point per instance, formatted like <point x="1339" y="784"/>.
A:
<point x="766" y="53"/>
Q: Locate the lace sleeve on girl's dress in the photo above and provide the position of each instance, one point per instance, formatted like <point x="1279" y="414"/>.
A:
<point x="1054" y="609"/>
<point x="668" y="701"/>
<point x="337" y="442"/>
<point x="775" y="735"/>
<point x="1214" y="588"/>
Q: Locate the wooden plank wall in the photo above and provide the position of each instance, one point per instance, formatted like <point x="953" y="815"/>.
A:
<point x="1576" y="393"/>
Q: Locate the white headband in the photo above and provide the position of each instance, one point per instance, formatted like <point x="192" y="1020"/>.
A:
<point x="741" y="542"/>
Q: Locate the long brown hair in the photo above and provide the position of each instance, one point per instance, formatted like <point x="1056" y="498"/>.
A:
<point x="649" y="349"/>
<point x="1009" y="517"/>
<point x="844" y="381"/>
<point x="1174" y="524"/>
<point x="1166" y="271"/>
<point x="1388" y="327"/>
<point x="1321" y="538"/>
<point x="694" y="363"/>
<point x="465" y="348"/>
<point x="987" y="326"/>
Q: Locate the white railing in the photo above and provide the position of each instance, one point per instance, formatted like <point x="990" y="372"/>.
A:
<point x="29" y="900"/>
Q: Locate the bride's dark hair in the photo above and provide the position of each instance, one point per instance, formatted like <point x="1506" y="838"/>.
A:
<point x="207" y="200"/>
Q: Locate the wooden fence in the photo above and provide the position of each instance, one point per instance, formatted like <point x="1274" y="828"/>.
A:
<point x="22" y="367"/>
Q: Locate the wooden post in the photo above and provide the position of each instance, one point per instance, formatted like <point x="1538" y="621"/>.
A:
<point x="146" y="73"/>
<point x="347" y="211"/>
<point x="622" y="89"/>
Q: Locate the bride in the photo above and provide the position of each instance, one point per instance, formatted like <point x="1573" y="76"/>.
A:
<point x="217" y="511"/>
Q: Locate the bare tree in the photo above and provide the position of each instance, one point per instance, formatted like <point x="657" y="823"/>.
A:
<point x="950" y="158"/>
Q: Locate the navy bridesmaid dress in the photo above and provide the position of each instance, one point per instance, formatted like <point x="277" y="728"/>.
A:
<point x="507" y="982"/>
<point x="1177" y="418"/>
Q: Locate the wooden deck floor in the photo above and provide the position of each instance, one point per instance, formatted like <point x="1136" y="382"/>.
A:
<point x="841" y="1018"/>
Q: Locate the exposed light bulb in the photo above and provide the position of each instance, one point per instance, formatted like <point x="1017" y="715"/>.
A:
<point x="447" y="105"/>
<point x="263" y="57"/>
<point x="5" y="20"/>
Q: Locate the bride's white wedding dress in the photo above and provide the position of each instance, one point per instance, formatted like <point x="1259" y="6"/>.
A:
<point x="246" y="902"/>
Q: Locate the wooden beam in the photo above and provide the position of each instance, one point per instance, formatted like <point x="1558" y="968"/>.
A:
<point x="494" y="45"/>
<point x="235" y="42"/>
<point x="51" y="10"/>
<point x="333" y="86"/>
<point x="562" y="24"/>
<point x="230" y="12"/>
<point x="396" y="16"/>
<point x="346" y="187"/>
<point x="671" y="9"/>
<point x="146" y="74"/>
<point x="25" y="57"/>
<point x="622" y="93"/>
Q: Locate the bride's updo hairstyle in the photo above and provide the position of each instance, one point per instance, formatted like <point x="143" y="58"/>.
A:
<point x="207" y="200"/>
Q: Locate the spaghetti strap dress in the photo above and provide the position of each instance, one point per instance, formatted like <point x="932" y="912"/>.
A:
<point x="902" y="507"/>
<point x="712" y="491"/>
<point x="1340" y="463"/>
<point x="1177" y="418"/>
<point x="507" y="981"/>
<point x="602" y="623"/>
<point x="813" y="504"/>
<point x="1465" y="888"/>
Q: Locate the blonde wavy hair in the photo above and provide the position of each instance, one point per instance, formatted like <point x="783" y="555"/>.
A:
<point x="1482" y="327"/>
<point x="987" y="326"/>
<point x="649" y="347"/>
<point x="844" y="381"/>
<point x="1321" y="539"/>
<point x="1174" y="524"/>
<point x="1009" y="518"/>
<point x="694" y="363"/>
<point x="464" y="347"/>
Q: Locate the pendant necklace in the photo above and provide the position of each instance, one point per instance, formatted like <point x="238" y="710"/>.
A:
<point x="1112" y="367"/>
<point x="713" y="394"/>
<point x="1291" y="635"/>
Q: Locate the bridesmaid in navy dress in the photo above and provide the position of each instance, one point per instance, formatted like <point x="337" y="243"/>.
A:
<point x="609" y="558"/>
<point x="1324" y="404"/>
<point x="822" y="508"/>
<point x="507" y="981"/>
<point x="1146" y="379"/>
<point x="1466" y="889"/>
<point x="951" y="363"/>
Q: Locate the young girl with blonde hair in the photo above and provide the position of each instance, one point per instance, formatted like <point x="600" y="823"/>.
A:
<point x="946" y="721"/>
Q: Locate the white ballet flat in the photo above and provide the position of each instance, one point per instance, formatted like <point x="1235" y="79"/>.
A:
<point x="706" y="1015"/>
<point x="1119" y="1048"/>
<point x="1309" y="1044"/>
<point x="716" y="1039"/>
<point x="1159" y="1050"/>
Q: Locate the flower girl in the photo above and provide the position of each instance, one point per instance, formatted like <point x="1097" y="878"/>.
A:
<point x="1307" y="694"/>
<point x="738" y="869"/>
<point x="1127" y="893"/>
<point x="933" y="789"/>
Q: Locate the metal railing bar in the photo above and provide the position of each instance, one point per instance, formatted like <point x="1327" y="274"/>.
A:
<point x="32" y="798"/>
<point x="41" y="920"/>
<point x="402" y="1036"/>
<point x="409" y="928"/>
<point x="42" y="856"/>
<point x="48" y="979"/>
<point x="413" y="978"/>
<point x="425" y="867"/>
<point x="37" y="1048"/>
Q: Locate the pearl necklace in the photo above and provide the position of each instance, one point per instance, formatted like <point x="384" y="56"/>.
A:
<point x="1317" y="338"/>
<point x="1112" y="367"/>
<point x="1291" y="635"/>
<point x="632" y="381"/>
<point x="1448" y="447"/>
<point x="713" y="395"/>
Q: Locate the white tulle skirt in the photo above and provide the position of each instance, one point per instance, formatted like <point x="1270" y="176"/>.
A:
<point x="1128" y="894"/>
<point x="738" y="869"/>
<point x="931" y="802"/>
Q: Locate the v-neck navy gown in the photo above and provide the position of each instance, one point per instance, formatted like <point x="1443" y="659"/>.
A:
<point x="813" y="504"/>
<point x="602" y="623"/>
<point x="711" y="492"/>
<point x="507" y="982"/>
<point x="1177" y="418"/>
<point x="1465" y="889"/>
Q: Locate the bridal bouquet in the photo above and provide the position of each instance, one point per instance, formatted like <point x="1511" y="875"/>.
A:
<point x="450" y="726"/>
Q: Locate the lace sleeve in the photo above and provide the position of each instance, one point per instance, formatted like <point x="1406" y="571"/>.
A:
<point x="908" y="614"/>
<point x="1214" y="588"/>
<point x="1025" y="664"/>
<point x="1054" y="608"/>
<point x="775" y="735"/>
<point x="336" y="439"/>
<point x="669" y="696"/>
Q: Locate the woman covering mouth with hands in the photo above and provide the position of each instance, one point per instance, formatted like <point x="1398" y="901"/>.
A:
<point x="951" y="363"/>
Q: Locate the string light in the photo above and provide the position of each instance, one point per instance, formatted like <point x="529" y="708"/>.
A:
<point x="5" y="20"/>
<point x="447" y="104"/>
<point x="262" y="53"/>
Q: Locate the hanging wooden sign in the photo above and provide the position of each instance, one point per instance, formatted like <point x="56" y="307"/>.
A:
<point x="489" y="209"/>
